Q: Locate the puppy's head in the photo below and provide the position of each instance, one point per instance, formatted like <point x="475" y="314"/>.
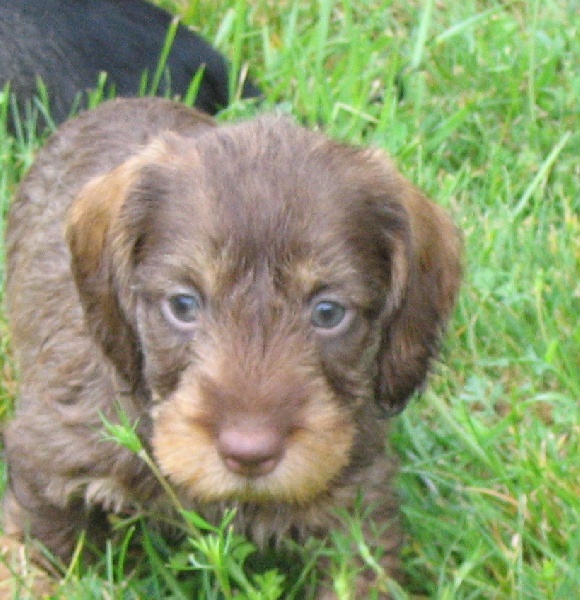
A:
<point x="273" y="290"/>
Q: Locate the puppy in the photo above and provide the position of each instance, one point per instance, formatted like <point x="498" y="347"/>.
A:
<point x="67" y="43"/>
<point x="256" y="297"/>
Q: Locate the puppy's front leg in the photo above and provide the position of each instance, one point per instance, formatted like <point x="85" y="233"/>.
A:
<point x="56" y="528"/>
<point x="25" y="571"/>
<point x="368" y="536"/>
<point x="363" y="580"/>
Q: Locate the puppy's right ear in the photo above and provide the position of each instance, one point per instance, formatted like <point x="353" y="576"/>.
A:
<point x="102" y="245"/>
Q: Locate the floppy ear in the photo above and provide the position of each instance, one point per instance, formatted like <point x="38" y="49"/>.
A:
<point x="412" y="336"/>
<point x="103" y="236"/>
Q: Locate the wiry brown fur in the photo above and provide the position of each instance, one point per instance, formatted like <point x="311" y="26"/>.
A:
<point x="141" y="199"/>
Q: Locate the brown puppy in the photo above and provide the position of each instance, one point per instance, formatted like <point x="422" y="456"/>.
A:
<point x="257" y="296"/>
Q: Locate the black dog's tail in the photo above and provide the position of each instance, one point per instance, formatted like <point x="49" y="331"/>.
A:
<point x="69" y="43"/>
<point x="148" y="26"/>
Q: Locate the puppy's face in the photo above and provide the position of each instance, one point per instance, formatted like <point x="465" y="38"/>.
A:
<point x="262" y="281"/>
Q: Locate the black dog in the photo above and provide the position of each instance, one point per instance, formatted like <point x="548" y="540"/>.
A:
<point x="68" y="43"/>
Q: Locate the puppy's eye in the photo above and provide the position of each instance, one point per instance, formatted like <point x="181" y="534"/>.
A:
<point x="328" y="314"/>
<point x="182" y="308"/>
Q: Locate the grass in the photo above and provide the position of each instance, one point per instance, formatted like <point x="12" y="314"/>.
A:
<point x="477" y="101"/>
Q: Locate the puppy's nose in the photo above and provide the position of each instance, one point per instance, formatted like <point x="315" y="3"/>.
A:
<point x="250" y="453"/>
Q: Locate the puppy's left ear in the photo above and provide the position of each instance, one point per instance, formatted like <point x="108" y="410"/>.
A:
<point x="104" y="227"/>
<point x="412" y="336"/>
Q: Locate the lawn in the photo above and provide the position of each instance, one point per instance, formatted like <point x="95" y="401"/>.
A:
<point x="478" y="104"/>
